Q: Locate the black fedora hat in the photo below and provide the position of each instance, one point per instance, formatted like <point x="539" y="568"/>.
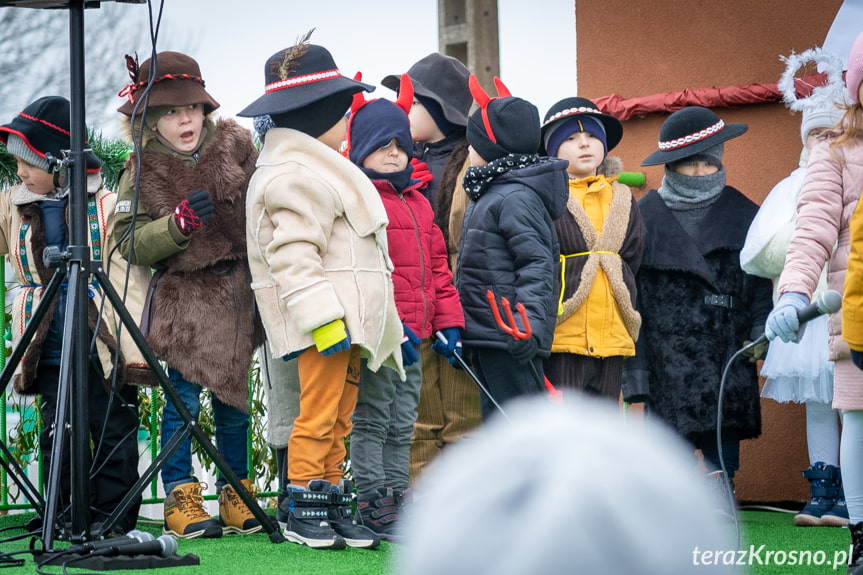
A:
<point x="690" y="131"/>
<point x="45" y="128"/>
<point x="298" y="76"/>
<point x="569" y="108"/>
<point x="442" y="78"/>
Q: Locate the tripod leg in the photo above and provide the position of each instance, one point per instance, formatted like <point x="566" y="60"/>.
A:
<point x="80" y="445"/>
<point x="172" y="396"/>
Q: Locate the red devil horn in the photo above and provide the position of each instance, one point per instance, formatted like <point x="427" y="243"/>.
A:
<point x="502" y="90"/>
<point x="359" y="99"/>
<point x="480" y="95"/>
<point x="406" y="94"/>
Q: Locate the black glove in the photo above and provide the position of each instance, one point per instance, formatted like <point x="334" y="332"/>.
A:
<point x="523" y="350"/>
<point x="194" y="212"/>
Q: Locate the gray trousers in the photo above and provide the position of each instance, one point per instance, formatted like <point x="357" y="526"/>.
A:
<point x="281" y="382"/>
<point x="382" y="428"/>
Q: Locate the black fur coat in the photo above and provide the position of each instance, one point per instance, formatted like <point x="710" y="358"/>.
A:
<point x="686" y="340"/>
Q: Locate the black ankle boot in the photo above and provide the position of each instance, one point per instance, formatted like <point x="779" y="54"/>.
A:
<point x="856" y="565"/>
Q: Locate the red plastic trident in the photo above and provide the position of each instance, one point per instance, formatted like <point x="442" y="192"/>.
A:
<point x="510" y="326"/>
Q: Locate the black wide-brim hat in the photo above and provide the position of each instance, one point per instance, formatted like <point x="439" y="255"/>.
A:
<point x="574" y="107"/>
<point x="442" y="78"/>
<point x="298" y="76"/>
<point x="690" y="131"/>
<point x="44" y="125"/>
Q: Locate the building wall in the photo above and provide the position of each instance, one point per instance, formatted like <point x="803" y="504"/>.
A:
<point x="656" y="46"/>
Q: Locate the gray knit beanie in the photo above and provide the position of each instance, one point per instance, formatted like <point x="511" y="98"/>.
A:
<point x="18" y="148"/>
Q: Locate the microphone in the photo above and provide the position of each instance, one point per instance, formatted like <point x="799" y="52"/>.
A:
<point x="828" y="302"/>
<point x="133" y="536"/>
<point x="163" y="546"/>
<point x="632" y="179"/>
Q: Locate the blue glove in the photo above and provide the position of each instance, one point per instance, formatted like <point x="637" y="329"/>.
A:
<point x="409" y="352"/>
<point x="452" y="335"/>
<point x="293" y="355"/>
<point x="332" y="337"/>
<point x="783" y="321"/>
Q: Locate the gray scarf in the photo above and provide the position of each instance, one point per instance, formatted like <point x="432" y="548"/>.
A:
<point x="681" y="192"/>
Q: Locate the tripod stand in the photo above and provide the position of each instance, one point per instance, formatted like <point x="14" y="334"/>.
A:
<point x="71" y="409"/>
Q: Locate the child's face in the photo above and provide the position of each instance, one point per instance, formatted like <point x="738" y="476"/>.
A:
<point x="182" y="127"/>
<point x="698" y="168"/>
<point x="36" y="179"/>
<point x="584" y="151"/>
<point x="335" y="135"/>
<point x="423" y="126"/>
<point x="474" y="158"/>
<point x="812" y="136"/>
<point x="388" y="159"/>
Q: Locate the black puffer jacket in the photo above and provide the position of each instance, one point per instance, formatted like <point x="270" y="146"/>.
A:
<point x="436" y="155"/>
<point x="509" y="246"/>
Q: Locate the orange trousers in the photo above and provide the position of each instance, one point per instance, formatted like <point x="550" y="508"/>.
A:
<point x="328" y="396"/>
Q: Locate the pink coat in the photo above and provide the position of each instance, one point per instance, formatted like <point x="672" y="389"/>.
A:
<point x="828" y="199"/>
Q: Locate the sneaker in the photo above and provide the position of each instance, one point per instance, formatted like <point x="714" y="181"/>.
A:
<point x="185" y="516"/>
<point x="306" y="513"/>
<point x="342" y="519"/>
<point x="234" y="515"/>
<point x="381" y="514"/>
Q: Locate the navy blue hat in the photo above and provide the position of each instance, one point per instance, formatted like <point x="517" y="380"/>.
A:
<point x="576" y="107"/>
<point x="374" y="125"/>
<point x="564" y="129"/>
<point x="502" y="125"/>
<point x="690" y="131"/>
<point x="299" y="76"/>
<point x="44" y="126"/>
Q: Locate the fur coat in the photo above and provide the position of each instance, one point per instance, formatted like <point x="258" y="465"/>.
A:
<point x="203" y="321"/>
<point x="698" y="307"/>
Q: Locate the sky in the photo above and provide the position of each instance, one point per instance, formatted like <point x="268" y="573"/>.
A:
<point x="232" y="40"/>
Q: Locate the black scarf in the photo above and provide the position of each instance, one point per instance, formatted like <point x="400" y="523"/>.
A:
<point x="477" y="178"/>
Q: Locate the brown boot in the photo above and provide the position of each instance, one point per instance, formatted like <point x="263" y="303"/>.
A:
<point x="234" y="515"/>
<point x="185" y="516"/>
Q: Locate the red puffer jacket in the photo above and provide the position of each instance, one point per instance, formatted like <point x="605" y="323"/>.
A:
<point x="425" y="296"/>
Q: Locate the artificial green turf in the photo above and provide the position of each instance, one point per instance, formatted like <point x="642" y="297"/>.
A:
<point x="767" y="541"/>
<point x="230" y="555"/>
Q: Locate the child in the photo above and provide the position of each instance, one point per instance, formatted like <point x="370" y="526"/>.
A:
<point x="379" y="142"/>
<point x="508" y="244"/>
<point x="322" y="279"/>
<point x="801" y="372"/>
<point x="697" y="305"/>
<point x="601" y="241"/>
<point x="33" y="216"/>
<point x="181" y="210"/>
<point x="828" y="199"/>
<point x="449" y="400"/>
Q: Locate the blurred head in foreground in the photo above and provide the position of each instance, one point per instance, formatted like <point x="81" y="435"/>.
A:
<point x="564" y="489"/>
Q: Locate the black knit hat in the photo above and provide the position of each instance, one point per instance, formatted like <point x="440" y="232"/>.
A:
<point x="299" y="76"/>
<point x="44" y="126"/>
<point x="442" y="78"/>
<point x="574" y="107"/>
<point x="690" y="131"/>
<point x="503" y="124"/>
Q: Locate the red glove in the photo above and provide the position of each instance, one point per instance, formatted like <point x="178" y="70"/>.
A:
<point x="421" y="172"/>
<point x="194" y="212"/>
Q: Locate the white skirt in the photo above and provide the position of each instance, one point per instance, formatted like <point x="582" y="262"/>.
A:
<point x="800" y="372"/>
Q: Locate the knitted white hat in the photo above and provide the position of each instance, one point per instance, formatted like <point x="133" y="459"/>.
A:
<point x="564" y="489"/>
